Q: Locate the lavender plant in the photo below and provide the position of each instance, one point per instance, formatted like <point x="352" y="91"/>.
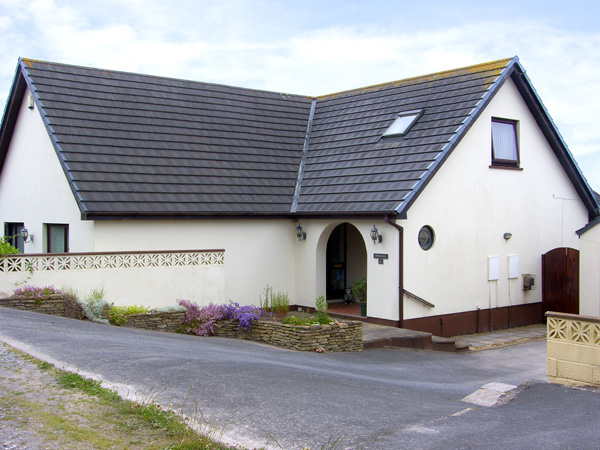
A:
<point x="37" y="293"/>
<point x="198" y="320"/>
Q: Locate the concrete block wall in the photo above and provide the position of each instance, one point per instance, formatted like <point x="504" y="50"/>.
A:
<point x="573" y="349"/>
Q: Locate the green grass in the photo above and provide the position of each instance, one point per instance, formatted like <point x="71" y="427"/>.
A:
<point x="143" y="416"/>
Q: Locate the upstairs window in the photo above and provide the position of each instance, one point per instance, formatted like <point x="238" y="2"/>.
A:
<point x="58" y="238"/>
<point x="505" y="146"/>
<point x="403" y="123"/>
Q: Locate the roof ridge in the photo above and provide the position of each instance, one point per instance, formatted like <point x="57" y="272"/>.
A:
<point x="403" y="80"/>
<point x="29" y="61"/>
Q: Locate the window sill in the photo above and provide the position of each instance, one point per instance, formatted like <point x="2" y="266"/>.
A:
<point x="505" y="167"/>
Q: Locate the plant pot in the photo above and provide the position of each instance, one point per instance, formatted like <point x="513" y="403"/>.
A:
<point x="363" y="309"/>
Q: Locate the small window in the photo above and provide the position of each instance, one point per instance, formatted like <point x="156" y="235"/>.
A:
<point x="12" y="231"/>
<point x="58" y="238"/>
<point x="426" y="237"/>
<point x="505" y="147"/>
<point x="403" y="123"/>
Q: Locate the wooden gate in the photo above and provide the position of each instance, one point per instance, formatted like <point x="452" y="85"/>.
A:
<point x="560" y="280"/>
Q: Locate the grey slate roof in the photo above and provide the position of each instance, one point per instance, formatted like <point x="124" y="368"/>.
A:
<point x="136" y="145"/>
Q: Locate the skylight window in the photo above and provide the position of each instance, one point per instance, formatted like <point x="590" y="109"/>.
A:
<point x="403" y="123"/>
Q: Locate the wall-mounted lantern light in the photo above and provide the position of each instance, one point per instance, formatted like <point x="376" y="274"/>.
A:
<point x="27" y="238"/>
<point x="377" y="238"/>
<point x="507" y="236"/>
<point x="300" y="234"/>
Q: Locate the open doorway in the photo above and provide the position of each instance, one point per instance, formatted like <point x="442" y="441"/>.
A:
<point x="346" y="260"/>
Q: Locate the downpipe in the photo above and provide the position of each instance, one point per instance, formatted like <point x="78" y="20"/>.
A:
<point x="400" y="269"/>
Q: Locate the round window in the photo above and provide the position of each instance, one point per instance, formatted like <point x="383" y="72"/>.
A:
<point x="426" y="237"/>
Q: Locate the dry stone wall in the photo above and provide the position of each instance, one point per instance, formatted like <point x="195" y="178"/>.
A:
<point x="50" y="304"/>
<point x="336" y="337"/>
<point x="156" y="321"/>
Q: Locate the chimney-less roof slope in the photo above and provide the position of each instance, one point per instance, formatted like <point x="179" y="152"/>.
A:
<point x="352" y="167"/>
<point x="135" y="144"/>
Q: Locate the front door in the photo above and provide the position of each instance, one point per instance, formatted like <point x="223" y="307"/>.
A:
<point x="336" y="263"/>
<point x="560" y="280"/>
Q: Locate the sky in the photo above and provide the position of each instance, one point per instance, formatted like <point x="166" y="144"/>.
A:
<point x="315" y="47"/>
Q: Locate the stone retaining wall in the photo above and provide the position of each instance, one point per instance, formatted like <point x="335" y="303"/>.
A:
<point x="573" y="349"/>
<point x="156" y="321"/>
<point x="50" y="304"/>
<point x="337" y="337"/>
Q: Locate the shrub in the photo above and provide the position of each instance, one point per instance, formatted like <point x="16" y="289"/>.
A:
<point x="275" y="305"/>
<point x="117" y="315"/>
<point x="359" y="289"/>
<point x="321" y="308"/>
<point x="6" y="248"/>
<point x="72" y="304"/>
<point x="94" y="305"/>
<point x="198" y="320"/>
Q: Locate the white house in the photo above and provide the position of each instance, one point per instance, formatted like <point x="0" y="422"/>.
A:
<point x="589" y="291"/>
<point x="462" y="173"/>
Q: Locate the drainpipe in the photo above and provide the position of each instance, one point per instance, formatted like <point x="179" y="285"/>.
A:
<point x="400" y="269"/>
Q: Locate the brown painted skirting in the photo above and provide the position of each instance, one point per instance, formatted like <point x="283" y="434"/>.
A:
<point x="468" y="322"/>
<point x="478" y="321"/>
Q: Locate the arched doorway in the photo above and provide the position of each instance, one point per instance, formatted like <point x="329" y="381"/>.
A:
<point x="346" y="260"/>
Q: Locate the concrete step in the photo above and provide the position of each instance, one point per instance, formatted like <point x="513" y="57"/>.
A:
<point x="379" y="336"/>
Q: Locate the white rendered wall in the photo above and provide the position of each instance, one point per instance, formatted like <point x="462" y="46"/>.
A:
<point x="257" y="252"/>
<point x="382" y="279"/>
<point x="470" y="206"/>
<point x="34" y="189"/>
<point x="589" y="273"/>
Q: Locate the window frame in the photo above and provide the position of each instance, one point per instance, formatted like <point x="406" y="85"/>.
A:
<point x="12" y="231"/>
<point x="502" y="162"/>
<point x="415" y="114"/>
<point x="49" y="227"/>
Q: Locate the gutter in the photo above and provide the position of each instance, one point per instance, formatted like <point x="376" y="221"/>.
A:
<point x="400" y="269"/>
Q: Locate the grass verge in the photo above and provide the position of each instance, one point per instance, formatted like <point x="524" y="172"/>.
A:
<point x="43" y="407"/>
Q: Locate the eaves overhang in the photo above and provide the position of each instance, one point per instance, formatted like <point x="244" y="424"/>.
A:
<point x="588" y="227"/>
<point x="100" y="216"/>
<point x="11" y="113"/>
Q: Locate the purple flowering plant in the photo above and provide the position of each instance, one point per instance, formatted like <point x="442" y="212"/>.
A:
<point x="245" y="315"/>
<point x="199" y="320"/>
<point x="202" y="320"/>
<point x="37" y="293"/>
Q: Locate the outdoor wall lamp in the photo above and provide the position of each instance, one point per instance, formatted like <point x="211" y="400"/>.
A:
<point x="27" y="238"/>
<point x="507" y="236"/>
<point x="300" y="234"/>
<point x="377" y="238"/>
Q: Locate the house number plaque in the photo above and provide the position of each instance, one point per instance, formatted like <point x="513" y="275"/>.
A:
<point x="380" y="257"/>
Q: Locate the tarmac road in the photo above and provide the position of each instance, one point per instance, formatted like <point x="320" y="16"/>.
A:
<point x="375" y="399"/>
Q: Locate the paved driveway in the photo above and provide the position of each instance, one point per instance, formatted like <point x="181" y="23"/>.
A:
<point x="377" y="399"/>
